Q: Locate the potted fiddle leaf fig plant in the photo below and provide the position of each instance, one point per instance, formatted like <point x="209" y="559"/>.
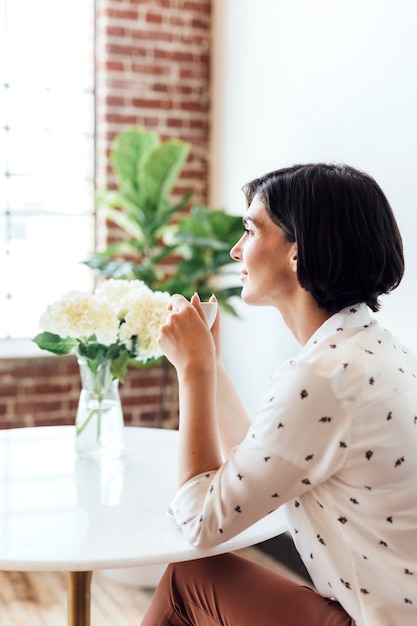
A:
<point x="169" y="245"/>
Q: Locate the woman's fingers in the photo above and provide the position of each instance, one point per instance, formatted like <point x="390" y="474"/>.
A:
<point x="178" y="302"/>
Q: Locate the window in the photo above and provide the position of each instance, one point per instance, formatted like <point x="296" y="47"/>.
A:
<point x="46" y="156"/>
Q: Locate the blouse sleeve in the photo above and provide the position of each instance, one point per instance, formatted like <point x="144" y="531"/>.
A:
<point x="298" y="439"/>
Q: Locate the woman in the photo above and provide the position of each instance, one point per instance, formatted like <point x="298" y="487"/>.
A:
<point x="334" y="441"/>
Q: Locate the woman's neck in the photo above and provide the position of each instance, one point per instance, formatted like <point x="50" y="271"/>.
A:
<point x="304" y="316"/>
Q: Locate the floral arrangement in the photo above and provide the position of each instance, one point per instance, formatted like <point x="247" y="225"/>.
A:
<point x="118" y="323"/>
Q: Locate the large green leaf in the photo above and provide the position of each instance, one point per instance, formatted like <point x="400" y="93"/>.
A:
<point x="226" y="227"/>
<point x="200" y="242"/>
<point x="162" y="219"/>
<point x="120" y="268"/>
<point x="119" y="365"/>
<point x="130" y="149"/>
<point x="121" y="209"/>
<point x="124" y="221"/>
<point x="54" y="343"/>
<point x="159" y="173"/>
<point x="213" y="223"/>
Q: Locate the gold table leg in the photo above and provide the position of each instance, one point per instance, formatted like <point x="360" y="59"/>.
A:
<point x="79" y="598"/>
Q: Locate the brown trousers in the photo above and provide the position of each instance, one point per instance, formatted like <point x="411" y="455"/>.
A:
<point x="227" y="590"/>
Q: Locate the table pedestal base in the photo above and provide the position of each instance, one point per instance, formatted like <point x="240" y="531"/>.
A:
<point x="79" y="598"/>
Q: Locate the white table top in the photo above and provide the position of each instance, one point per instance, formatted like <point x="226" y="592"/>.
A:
<point x="61" y="513"/>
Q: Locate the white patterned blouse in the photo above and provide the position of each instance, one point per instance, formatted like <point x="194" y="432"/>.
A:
<point x="335" y="442"/>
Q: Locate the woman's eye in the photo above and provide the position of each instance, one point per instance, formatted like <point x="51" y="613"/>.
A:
<point x="247" y="231"/>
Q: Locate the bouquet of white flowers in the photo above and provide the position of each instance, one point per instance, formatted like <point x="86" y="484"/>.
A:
<point x="106" y="330"/>
<point x="118" y="323"/>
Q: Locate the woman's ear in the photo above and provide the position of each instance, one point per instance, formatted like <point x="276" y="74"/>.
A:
<point x="293" y="257"/>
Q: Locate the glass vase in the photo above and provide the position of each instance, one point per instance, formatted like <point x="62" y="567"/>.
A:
<point x="99" y="427"/>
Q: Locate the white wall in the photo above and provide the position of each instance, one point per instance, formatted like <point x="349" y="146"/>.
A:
<point x="310" y="80"/>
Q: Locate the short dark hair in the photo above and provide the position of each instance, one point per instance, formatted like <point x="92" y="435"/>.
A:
<point x="349" y="245"/>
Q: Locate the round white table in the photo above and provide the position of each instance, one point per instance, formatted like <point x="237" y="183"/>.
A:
<point x="62" y="513"/>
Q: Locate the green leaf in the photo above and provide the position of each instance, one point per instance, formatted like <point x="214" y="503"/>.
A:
<point x="125" y="221"/>
<point x="94" y="352"/>
<point x="159" y="173"/>
<point x="54" y="343"/>
<point x="161" y="219"/>
<point x="119" y="365"/>
<point x="109" y="268"/>
<point x="183" y="202"/>
<point x="130" y="149"/>
<point x="200" y="242"/>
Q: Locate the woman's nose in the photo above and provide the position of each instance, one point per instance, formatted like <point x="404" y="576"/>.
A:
<point x="235" y="252"/>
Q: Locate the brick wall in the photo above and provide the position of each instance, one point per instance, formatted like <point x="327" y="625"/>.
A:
<point x="153" y="62"/>
<point x="153" y="70"/>
<point x="45" y="391"/>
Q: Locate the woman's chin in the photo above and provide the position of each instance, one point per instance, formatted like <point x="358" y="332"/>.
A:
<point x="247" y="297"/>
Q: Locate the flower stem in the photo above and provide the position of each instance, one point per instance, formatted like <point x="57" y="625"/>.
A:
<point x="80" y="429"/>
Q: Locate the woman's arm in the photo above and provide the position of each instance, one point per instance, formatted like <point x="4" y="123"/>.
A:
<point x="212" y="417"/>
<point x="232" y="418"/>
<point x="188" y="344"/>
<point x="199" y="449"/>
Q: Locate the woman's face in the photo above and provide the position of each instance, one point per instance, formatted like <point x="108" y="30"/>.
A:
<point x="269" y="261"/>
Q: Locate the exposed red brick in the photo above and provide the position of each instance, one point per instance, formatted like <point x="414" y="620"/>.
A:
<point x="40" y="406"/>
<point x="199" y="23"/>
<point x="8" y="390"/>
<point x="153" y="35"/>
<point x="175" y="123"/>
<point x="151" y="69"/>
<point x="60" y="386"/>
<point x="125" y="52"/>
<point x="115" y="101"/>
<point x="13" y="424"/>
<point x="174" y="55"/>
<point x="121" y="14"/>
<point x="149" y="103"/>
<point x="116" y="31"/>
<point x="154" y="18"/>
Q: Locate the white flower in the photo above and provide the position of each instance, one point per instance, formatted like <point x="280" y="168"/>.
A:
<point x="146" y="311"/>
<point x="80" y="315"/>
<point x="115" y="290"/>
<point x="124" y="314"/>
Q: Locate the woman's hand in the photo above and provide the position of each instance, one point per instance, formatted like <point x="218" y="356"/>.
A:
<point x="185" y="339"/>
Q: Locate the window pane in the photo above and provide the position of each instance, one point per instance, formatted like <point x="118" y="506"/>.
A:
<point x="51" y="154"/>
<point x="46" y="156"/>
<point x="50" y="109"/>
<point x="38" y="194"/>
<point x="49" y="42"/>
<point x="43" y="264"/>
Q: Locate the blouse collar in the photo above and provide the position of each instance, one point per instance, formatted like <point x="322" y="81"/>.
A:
<point x="346" y="319"/>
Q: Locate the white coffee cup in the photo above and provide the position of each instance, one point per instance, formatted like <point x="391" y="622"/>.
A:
<point x="210" y="312"/>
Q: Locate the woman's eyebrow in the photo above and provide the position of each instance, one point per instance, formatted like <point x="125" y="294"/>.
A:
<point x="247" y="219"/>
